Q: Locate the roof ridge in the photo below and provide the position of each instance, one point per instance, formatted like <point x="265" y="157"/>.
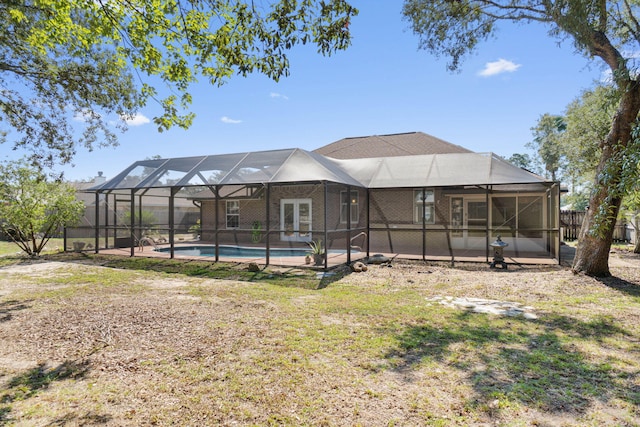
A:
<point x="384" y="134"/>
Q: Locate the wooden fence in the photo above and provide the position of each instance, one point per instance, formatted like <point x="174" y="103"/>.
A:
<point x="571" y="221"/>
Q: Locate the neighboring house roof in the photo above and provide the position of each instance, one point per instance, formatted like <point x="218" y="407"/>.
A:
<point x="300" y="166"/>
<point x="398" y="144"/>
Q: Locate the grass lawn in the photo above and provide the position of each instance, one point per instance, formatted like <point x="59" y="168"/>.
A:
<point x="90" y="340"/>
<point x="10" y="248"/>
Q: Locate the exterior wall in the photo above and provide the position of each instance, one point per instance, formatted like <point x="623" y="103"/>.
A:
<point x="252" y="210"/>
<point x="393" y="226"/>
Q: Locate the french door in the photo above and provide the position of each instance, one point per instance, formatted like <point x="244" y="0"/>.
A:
<point x="295" y="220"/>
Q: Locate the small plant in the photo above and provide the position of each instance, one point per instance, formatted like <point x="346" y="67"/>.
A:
<point x="316" y="247"/>
<point x="317" y="251"/>
<point x="195" y="229"/>
<point x="256" y="231"/>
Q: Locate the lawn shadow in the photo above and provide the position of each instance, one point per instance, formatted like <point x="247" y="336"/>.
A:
<point x="36" y="380"/>
<point x="536" y="366"/>
<point x="8" y="307"/>
<point x="622" y="285"/>
<point x="333" y="275"/>
<point x="89" y="418"/>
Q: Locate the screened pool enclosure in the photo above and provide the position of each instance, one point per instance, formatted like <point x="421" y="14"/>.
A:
<point x="251" y="206"/>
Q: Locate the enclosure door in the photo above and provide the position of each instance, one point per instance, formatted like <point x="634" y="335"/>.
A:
<point x="295" y="220"/>
<point x="469" y="223"/>
<point x="122" y="223"/>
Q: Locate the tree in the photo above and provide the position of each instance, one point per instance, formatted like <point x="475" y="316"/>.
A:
<point x="607" y="31"/>
<point x="588" y="120"/>
<point x="33" y="209"/>
<point x="145" y="220"/>
<point x="89" y="60"/>
<point x="523" y="161"/>
<point x="546" y="142"/>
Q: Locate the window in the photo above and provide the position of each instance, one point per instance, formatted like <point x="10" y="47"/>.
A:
<point x="233" y="213"/>
<point x="457" y="216"/>
<point x="344" y="206"/>
<point x="423" y="206"/>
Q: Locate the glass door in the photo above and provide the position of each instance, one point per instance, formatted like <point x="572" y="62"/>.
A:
<point x="295" y="220"/>
<point x="468" y="223"/>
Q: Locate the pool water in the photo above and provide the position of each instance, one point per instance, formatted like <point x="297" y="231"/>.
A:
<point x="240" y="251"/>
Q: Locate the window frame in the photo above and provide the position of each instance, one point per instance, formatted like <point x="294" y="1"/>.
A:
<point x="229" y="215"/>
<point x="355" y="206"/>
<point x="420" y="202"/>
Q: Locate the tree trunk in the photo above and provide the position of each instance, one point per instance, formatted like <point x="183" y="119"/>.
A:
<point x="634" y="224"/>
<point x="592" y="255"/>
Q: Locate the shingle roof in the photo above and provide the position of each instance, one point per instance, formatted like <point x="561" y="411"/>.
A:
<point x="398" y="144"/>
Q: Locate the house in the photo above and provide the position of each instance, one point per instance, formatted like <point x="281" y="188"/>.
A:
<point x="410" y="195"/>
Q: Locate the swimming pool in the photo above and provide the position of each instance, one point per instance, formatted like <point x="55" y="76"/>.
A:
<point x="241" y="251"/>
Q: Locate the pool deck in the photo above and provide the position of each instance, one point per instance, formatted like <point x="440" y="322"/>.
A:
<point x="335" y="259"/>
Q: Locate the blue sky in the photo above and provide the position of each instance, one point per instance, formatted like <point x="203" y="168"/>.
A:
<point x="382" y="84"/>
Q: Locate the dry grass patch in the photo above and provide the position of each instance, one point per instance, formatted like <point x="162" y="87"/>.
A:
<point x="147" y="346"/>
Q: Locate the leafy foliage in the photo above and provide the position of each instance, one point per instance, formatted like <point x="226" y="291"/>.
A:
<point x="33" y="209"/>
<point x="588" y="120"/>
<point x="547" y="137"/>
<point x="522" y="160"/>
<point x="145" y="219"/>
<point x="316" y="247"/>
<point x="73" y="60"/>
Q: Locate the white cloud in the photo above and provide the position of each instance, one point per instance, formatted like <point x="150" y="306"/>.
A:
<point x="137" y="120"/>
<point x="278" y="95"/>
<point x="498" y="67"/>
<point x="226" y="119"/>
